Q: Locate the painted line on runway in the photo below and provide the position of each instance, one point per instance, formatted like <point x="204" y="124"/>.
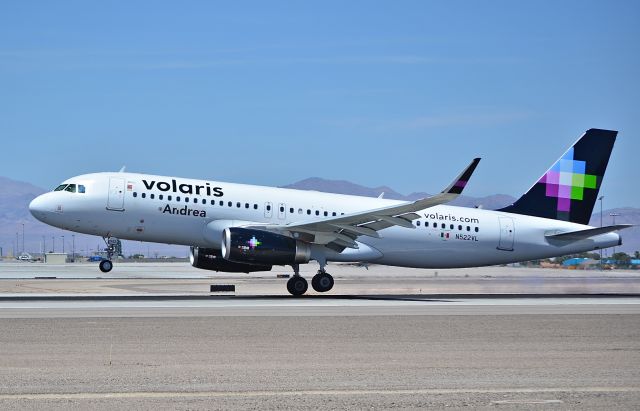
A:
<point x="274" y="393"/>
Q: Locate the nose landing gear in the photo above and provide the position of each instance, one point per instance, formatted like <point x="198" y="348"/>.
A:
<point x="106" y="265"/>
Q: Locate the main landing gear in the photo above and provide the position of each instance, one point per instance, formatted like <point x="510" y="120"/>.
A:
<point x="321" y="282"/>
<point x="106" y="265"/>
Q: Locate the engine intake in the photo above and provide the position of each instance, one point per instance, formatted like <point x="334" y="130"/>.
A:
<point x="244" y="245"/>
<point x="211" y="259"/>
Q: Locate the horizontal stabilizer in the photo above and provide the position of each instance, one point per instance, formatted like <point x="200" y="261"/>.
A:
<point x="583" y="234"/>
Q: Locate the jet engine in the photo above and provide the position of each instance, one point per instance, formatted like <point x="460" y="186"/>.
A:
<point x="211" y="259"/>
<point x="243" y="245"/>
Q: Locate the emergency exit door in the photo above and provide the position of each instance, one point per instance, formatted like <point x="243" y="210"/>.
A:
<point x="507" y="233"/>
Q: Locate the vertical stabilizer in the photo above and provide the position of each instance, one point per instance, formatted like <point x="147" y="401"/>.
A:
<point x="569" y="189"/>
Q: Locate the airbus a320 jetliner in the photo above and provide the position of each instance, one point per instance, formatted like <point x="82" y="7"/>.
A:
<point x="244" y="228"/>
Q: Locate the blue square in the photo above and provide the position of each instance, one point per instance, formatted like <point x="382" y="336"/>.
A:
<point x="566" y="166"/>
<point x="579" y="167"/>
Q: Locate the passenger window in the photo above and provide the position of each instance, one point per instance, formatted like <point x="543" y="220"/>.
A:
<point x="460" y="227"/>
<point x="317" y="212"/>
<point x="169" y="198"/>
<point x="238" y="204"/>
<point x="60" y="187"/>
<point x="246" y="205"/>
<point x="195" y="201"/>
<point x="435" y="225"/>
<point x="71" y="188"/>
<point x="135" y="194"/>
<point x="418" y="223"/>
<point x="326" y="213"/>
<point x="444" y="225"/>
<point x="81" y="189"/>
<point x="333" y="214"/>
<point x="468" y="228"/>
<point x="451" y="227"/>
<point x="281" y="209"/>
<point x="269" y="207"/>
<point x="178" y="198"/>
<point x="221" y="203"/>
<point x="186" y="199"/>
<point x="230" y="204"/>
<point x="308" y="212"/>
<point x="299" y="211"/>
<point x="144" y="195"/>
<point x="291" y="210"/>
<point x="255" y="206"/>
<point x="213" y="202"/>
<point x="152" y="196"/>
<point x="477" y="229"/>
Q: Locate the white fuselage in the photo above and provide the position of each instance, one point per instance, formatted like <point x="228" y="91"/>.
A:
<point x="194" y="212"/>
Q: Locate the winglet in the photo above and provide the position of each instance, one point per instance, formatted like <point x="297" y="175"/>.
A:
<point x="461" y="181"/>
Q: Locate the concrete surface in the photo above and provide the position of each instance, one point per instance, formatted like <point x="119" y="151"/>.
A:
<point x="309" y="362"/>
<point x="384" y="339"/>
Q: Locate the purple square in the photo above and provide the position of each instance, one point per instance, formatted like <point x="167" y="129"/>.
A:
<point x="553" y="177"/>
<point x="552" y="190"/>
<point x="564" y="192"/>
<point x="564" y="204"/>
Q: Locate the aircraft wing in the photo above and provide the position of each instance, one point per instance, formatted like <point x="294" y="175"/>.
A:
<point x="584" y="234"/>
<point x="341" y="232"/>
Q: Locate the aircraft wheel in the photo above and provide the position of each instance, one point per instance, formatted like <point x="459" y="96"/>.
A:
<point x="322" y="282"/>
<point x="105" y="266"/>
<point x="297" y="285"/>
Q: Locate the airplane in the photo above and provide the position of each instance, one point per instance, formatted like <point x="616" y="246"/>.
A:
<point x="246" y="228"/>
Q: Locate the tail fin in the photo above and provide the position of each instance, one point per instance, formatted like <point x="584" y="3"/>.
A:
<point x="569" y="189"/>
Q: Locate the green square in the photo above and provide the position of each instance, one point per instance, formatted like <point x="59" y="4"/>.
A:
<point x="576" y="193"/>
<point x="577" y="180"/>
<point x="590" y="181"/>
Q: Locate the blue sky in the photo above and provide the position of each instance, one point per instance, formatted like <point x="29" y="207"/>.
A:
<point x="379" y="93"/>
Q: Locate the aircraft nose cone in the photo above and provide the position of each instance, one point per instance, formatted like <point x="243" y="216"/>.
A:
<point x="39" y="207"/>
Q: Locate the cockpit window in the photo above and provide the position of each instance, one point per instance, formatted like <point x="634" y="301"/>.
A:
<point x="72" y="188"/>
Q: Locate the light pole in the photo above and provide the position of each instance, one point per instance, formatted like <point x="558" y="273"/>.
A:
<point x="600" y="199"/>
<point x="62" y="244"/>
<point x="73" y="248"/>
<point x="53" y="244"/>
<point x="17" y="243"/>
<point x="23" y="237"/>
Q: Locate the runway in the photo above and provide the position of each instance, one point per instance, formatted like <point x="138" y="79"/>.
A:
<point x="327" y="306"/>
<point x="401" y="341"/>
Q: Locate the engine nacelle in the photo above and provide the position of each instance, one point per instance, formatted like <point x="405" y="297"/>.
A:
<point x="244" y="245"/>
<point x="211" y="259"/>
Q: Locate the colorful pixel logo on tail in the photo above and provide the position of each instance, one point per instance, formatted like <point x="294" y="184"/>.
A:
<point x="569" y="189"/>
<point x="567" y="180"/>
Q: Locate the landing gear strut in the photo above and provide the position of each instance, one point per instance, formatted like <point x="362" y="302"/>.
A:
<point x="107" y="265"/>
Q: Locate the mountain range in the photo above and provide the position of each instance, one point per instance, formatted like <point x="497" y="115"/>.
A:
<point x="16" y="195"/>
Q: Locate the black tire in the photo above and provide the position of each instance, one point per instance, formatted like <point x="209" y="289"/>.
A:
<point x="105" y="266"/>
<point x="322" y="282"/>
<point x="297" y="286"/>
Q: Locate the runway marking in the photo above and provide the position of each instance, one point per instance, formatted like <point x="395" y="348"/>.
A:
<point x="523" y="402"/>
<point x="249" y="394"/>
